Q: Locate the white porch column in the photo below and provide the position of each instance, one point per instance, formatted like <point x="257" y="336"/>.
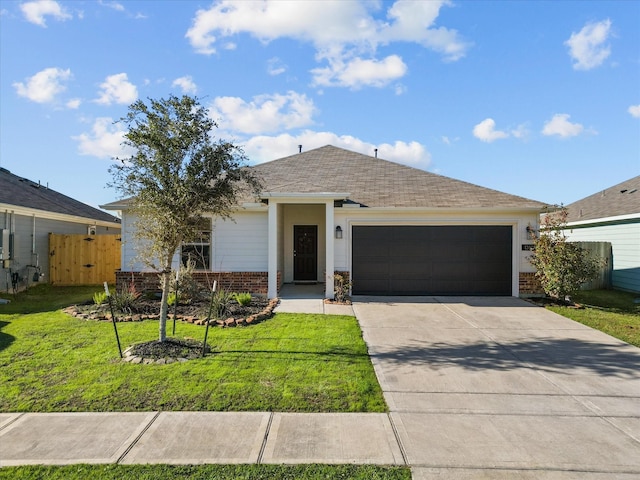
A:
<point x="272" y="291"/>
<point x="329" y="232"/>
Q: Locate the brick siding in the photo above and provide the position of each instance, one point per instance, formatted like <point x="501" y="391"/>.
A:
<point x="529" y="285"/>
<point x="253" y="282"/>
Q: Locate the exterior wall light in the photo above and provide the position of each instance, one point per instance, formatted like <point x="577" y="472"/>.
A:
<point x="338" y="232"/>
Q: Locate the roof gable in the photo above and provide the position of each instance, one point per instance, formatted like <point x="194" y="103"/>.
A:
<point x="374" y="182"/>
<point x="22" y="192"/>
<point x="621" y="199"/>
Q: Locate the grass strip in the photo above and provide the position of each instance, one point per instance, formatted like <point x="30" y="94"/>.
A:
<point x="197" y="472"/>
<point x="613" y="312"/>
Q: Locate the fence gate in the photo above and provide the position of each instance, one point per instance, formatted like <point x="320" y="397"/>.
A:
<point x="83" y="259"/>
<point x="603" y="252"/>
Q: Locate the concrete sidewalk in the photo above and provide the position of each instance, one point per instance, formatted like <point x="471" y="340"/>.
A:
<point x="197" y="438"/>
<point x="308" y="299"/>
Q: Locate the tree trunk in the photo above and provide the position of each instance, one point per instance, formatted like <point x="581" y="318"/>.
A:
<point x="164" y="305"/>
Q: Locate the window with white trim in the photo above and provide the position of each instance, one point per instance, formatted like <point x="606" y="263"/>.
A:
<point x="198" y="252"/>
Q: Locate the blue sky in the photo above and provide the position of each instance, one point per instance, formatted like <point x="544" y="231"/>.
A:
<point x="539" y="99"/>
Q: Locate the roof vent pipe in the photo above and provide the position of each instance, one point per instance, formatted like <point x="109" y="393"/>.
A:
<point x="376" y="152"/>
<point x="299" y="148"/>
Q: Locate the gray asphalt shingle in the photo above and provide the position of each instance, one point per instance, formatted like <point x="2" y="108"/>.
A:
<point x="374" y="182"/>
<point x="621" y="199"/>
<point x="22" y="192"/>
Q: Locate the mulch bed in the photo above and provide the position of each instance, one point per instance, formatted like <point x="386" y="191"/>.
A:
<point x="257" y="311"/>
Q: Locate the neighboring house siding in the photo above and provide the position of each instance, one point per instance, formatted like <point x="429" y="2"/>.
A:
<point x="25" y="258"/>
<point x="625" y="244"/>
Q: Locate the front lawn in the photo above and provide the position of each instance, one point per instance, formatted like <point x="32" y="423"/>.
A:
<point x="195" y="472"/>
<point x="610" y="311"/>
<point x="51" y="362"/>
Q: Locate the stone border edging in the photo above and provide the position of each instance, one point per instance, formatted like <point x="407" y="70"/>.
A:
<point x="266" y="313"/>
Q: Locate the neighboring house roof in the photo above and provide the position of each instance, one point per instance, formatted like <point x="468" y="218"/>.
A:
<point x="374" y="182"/>
<point x="621" y="199"/>
<point x="22" y="192"/>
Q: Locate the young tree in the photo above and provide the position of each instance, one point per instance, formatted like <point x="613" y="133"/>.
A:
<point x="177" y="174"/>
<point x="562" y="266"/>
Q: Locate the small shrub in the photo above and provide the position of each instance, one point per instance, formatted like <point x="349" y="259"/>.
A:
<point x="125" y="299"/>
<point x="100" y="297"/>
<point x="187" y="286"/>
<point x="220" y="301"/>
<point x="562" y="266"/>
<point x="171" y="300"/>
<point x="341" y="288"/>
<point x="243" y="299"/>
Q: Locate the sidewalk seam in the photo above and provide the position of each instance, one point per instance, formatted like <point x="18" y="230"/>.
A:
<point x="11" y="422"/>
<point x="398" y="441"/>
<point x="264" y="440"/>
<point x="137" y="439"/>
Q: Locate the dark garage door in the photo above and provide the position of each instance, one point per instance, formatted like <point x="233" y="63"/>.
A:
<point x="431" y="260"/>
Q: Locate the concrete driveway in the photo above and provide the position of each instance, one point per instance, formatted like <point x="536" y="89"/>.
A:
<point x="497" y="388"/>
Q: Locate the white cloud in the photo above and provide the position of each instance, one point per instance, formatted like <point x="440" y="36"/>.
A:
<point x="104" y="140"/>
<point x="264" y="148"/>
<point x="74" y="103"/>
<point x="345" y="34"/>
<point x="44" y="86"/>
<point x="117" y="88"/>
<point x="561" y="126"/>
<point x="486" y="131"/>
<point x="521" y="132"/>
<point x="356" y="73"/>
<point x="114" y="5"/>
<point x="265" y="113"/>
<point x="36" y="11"/>
<point x="587" y="47"/>
<point x="186" y="84"/>
<point x="275" y="66"/>
<point x="634" y="110"/>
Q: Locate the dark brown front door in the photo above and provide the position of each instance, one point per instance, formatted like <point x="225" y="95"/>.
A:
<point x="305" y="253"/>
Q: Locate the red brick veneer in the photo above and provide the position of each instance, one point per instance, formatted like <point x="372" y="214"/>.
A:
<point x="252" y="282"/>
<point x="530" y="285"/>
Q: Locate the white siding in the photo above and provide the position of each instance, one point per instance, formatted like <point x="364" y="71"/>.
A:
<point x="240" y="245"/>
<point x="625" y="243"/>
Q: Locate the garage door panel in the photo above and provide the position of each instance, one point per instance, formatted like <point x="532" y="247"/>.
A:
<point x="374" y="266"/>
<point x="419" y="260"/>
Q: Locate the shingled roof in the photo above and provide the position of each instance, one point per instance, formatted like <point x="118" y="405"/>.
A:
<point x="22" y="192"/>
<point x="621" y="199"/>
<point x="374" y="182"/>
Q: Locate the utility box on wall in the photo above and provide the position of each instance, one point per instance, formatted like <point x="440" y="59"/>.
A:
<point x="5" y="250"/>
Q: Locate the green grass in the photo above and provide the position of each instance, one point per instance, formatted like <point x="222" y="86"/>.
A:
<point x="45" y="298"/>
<point x="51" y="362"/>
<point x="196" y="472"/>
<point x="610" y="311"/>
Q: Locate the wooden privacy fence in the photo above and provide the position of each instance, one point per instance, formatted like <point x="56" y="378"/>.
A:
<point x="603" y="252"/>
<point x="83" y="259"/>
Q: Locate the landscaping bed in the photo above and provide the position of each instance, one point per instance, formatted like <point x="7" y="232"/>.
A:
<point x="194" y="312"/>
